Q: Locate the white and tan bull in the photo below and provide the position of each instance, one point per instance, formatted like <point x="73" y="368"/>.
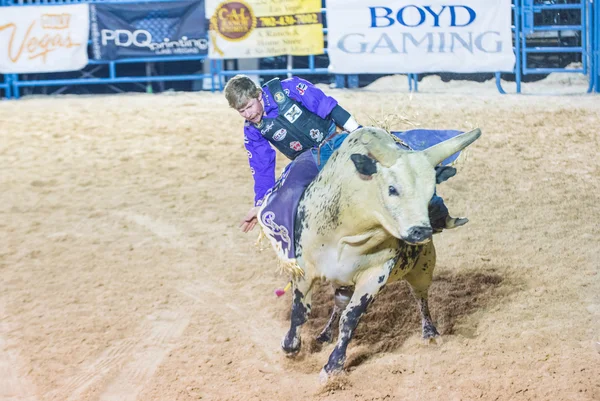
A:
<point x="364" y="222"/>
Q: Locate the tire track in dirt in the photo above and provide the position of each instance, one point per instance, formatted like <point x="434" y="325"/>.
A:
<point x="146" y="357"/>
<point x="13" y="385"/>
<point x="123" y="369"/>
<point x="108" y="360"/>
<point x="135" y="360"/>
<point x="159" y="338"/>
<point x="264" y="339"/>
<point x="132" y="361"/>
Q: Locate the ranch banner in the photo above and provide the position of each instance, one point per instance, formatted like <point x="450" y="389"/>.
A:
<point x="148" y="29"/>
<point x="41" y="39"/>
<point x="369" y="36"/>
<point x="264" y="28"/>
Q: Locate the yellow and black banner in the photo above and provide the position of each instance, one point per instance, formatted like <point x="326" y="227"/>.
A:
<point x="264" y="28"/>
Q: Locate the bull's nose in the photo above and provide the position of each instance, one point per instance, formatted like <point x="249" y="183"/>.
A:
<point x="419" y="234"/>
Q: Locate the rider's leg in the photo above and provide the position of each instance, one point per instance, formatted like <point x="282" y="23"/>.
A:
<point x="279" y="212"/>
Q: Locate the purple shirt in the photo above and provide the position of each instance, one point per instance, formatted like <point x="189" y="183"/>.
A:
<point x="261" y="155"/>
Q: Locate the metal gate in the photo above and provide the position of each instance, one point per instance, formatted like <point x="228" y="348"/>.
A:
<point x="554" y="36"/>
<point x="550" y="36"/>
<point x="595" y="28"/>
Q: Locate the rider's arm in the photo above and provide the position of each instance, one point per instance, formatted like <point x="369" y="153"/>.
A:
<point x="310" y="96"/>
<point x="316" y="101"/>
<point x="261" y="158"/>
<point x="343" y="118"/>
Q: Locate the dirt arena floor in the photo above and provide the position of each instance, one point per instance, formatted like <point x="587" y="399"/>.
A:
<point x="124" y="276"/>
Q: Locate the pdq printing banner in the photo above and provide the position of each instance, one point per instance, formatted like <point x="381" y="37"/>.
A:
<point x="148" y="29"/>
<point x="368" y="36"/>
<point x="36" y="39"/>
<point x="264" y="28"/>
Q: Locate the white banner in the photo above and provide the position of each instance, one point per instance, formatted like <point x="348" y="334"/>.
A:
<point x="368" y="36"/>
<point x="44" y="38"/>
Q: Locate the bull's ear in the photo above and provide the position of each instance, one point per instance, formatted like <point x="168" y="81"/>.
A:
<point x="364" y="164"/>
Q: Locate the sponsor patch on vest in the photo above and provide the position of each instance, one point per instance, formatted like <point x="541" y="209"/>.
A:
<point x="279" y="97"/>
<point x="267" y="128"/>
<point x="301" y="88"/>
<point x="316" y="135"/>
<point x="293" y="113"/>
<point x="280" y="134"/>
<point x="297" y="146"/>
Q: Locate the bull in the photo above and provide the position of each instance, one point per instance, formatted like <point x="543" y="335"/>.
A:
<point x="364" y="222"/>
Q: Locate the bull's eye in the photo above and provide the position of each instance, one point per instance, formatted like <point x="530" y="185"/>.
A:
<point x="393" y="191"/>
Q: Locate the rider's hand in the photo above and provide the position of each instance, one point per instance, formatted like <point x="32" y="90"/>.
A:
<point x="250" y="220"/>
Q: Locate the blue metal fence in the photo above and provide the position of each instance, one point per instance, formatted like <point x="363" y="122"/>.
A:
<point x="88" y="76"/>
<point x="558" y="36"/>
<point x="595" y="24"/>
<point x="5" y="86"/>
<point x="577" y="40"/>
<point x="110" y="73"/>
<point x="217" y="73"/>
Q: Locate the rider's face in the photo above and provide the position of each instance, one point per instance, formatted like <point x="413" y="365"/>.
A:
<point x="252" y="111"/>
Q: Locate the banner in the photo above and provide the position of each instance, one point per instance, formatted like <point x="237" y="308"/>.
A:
<point x="264" y="28"/>
<point x="150" y="29"/>
<point x="36" y="39"/>
<point x="368" y="36"/>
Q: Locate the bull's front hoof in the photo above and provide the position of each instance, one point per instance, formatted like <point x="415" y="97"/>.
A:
<point x="431" y="336"/>
<point x="291" y="346"/>
<point x="430" y="332"/>
<point x="333" y="382"/>
<point x="323" y="377"/>
<point x="433" y="341"/>
<point x="327" y="374"/>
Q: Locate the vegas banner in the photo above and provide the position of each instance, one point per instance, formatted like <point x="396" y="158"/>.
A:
<point x="150" y="29"/>
<point x="264" y="28"/>
<point x="38" y="39"/>
<point x="418" y="36"/>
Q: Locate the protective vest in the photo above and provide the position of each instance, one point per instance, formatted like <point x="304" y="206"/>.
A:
<point x="295" y="129"/>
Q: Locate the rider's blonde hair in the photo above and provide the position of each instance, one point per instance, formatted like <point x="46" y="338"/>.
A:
<point x="240" y="90"/>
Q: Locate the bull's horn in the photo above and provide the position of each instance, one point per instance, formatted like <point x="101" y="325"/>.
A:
<point x="436" y="154"/>
<point x="380" y="145"/>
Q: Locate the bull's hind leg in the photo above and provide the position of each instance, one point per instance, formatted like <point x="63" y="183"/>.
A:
<point x="419" y="279"/>
<point x="342" y="298"/>
<point x="300" y="310"/>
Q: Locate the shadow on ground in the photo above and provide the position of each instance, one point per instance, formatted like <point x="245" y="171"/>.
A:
<point x="394" y="316"/>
